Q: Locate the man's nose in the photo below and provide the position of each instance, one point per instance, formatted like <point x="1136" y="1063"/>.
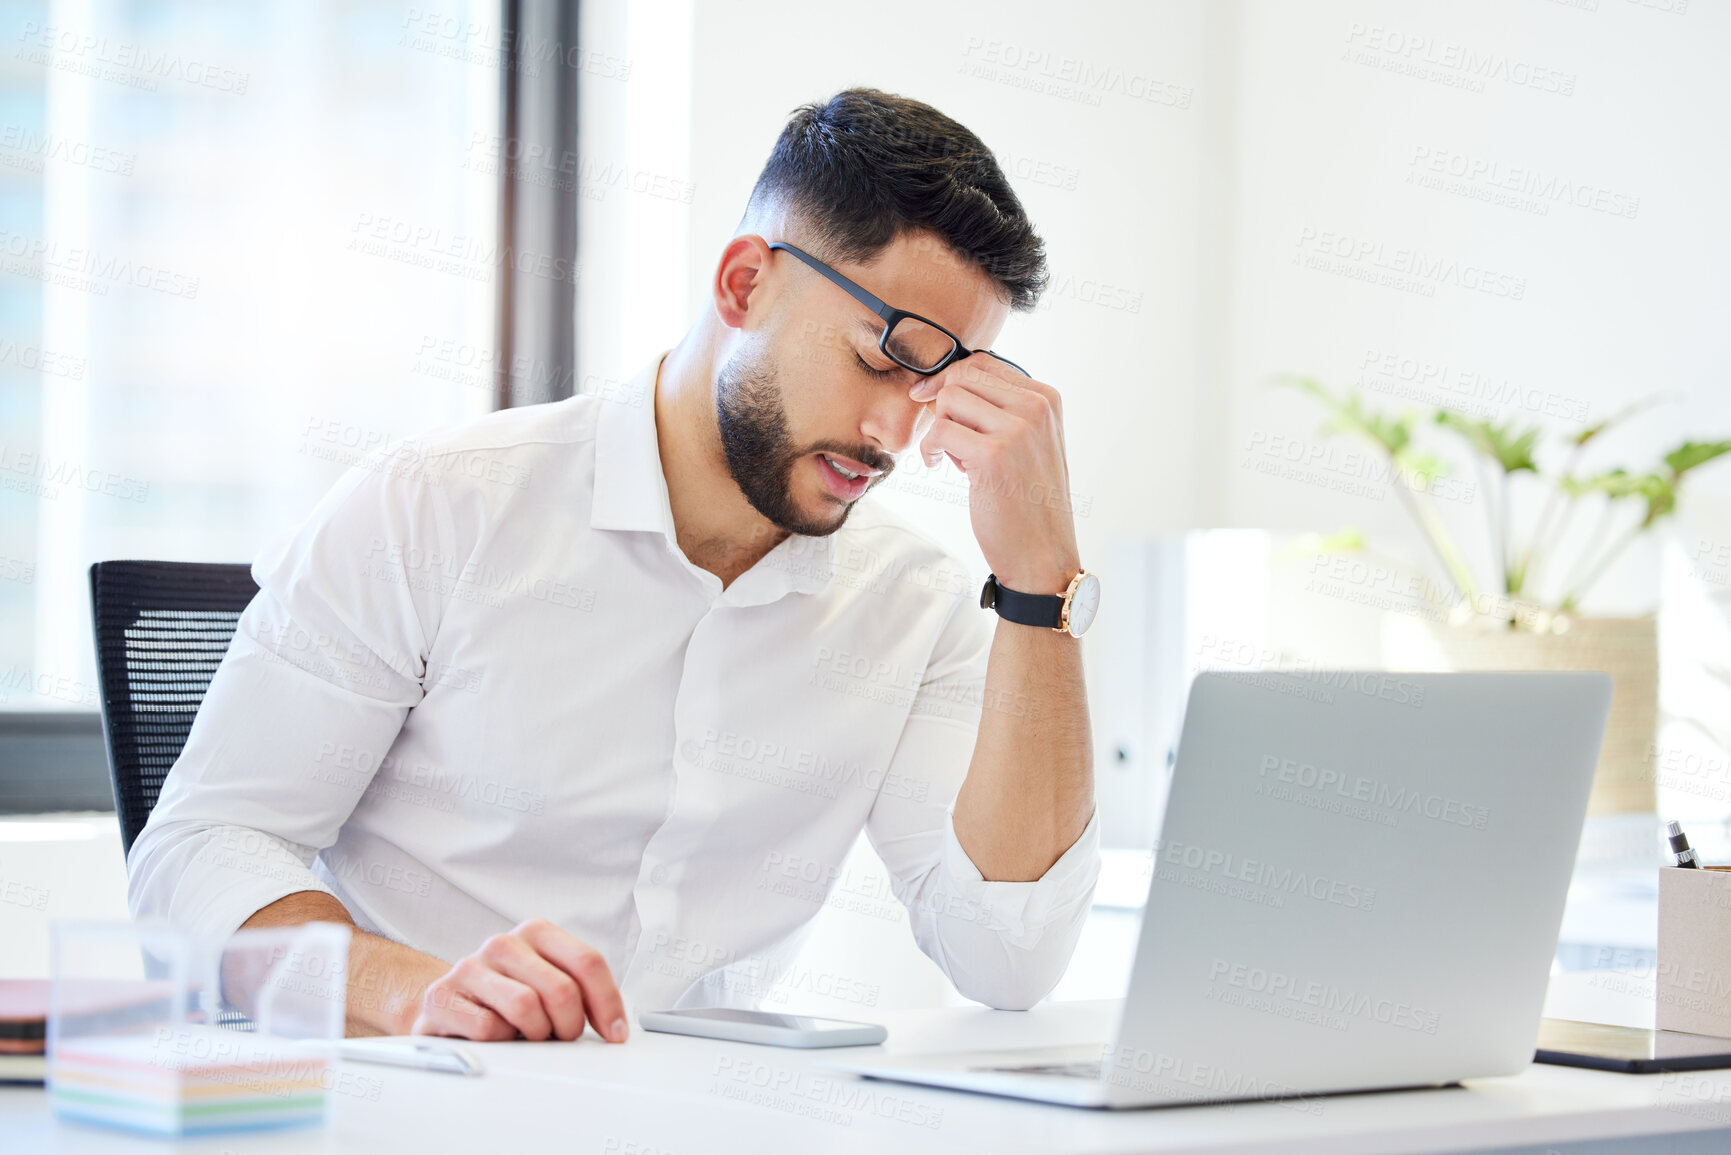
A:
<point x="893" y="420"/>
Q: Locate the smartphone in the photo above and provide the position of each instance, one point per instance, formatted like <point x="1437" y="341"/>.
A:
<point x="773" y="1030"/>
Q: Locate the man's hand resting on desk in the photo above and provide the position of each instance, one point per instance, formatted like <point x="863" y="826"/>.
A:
<point x="536" y="982"/>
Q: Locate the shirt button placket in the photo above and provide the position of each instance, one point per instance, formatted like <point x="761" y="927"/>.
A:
<point x="657" y="883"/>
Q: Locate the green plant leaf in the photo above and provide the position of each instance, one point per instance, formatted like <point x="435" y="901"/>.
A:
<point x="1661" y="497"/>
<point x="1309" y="545"/>
<point x="1657" y="492"/>
<point x="1347" y="414"/>
<point x="1507" y="445"/>
<point x="1693" y="453"/>
<point x="1619" y="417"/>
<point x="1347" y="540"/>
<point x="1420" y="470"/>
<point x="1613" y="483"/>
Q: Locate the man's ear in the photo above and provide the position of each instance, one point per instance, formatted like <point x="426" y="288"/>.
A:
<point x="740" y="280"/>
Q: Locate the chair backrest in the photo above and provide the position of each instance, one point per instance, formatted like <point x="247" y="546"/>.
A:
<point x="162" y="628"/>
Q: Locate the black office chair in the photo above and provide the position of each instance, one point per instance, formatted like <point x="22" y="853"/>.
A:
<point x="162" y="627"/>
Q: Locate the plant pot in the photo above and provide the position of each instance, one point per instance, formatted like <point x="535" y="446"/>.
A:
<point x="1625" y="648"/>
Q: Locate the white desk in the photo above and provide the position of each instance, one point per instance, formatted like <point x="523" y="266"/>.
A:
<point x="670" y="1095"/>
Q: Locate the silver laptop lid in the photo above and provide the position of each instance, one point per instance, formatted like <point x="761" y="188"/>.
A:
<point x="1359" y="881"/>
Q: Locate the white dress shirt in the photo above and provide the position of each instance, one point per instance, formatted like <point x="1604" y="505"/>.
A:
<point x="482" y="683"/>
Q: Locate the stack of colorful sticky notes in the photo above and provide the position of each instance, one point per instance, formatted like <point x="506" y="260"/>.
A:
<point x="187" y="1079"/>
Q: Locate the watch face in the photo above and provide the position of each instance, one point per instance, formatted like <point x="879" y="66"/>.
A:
<point x="1084" y="604"/>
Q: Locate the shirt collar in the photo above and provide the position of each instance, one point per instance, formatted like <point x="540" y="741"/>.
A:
<point x="799" y="564"/>
<point x="630" y="489"/>
<point x="631" y="494"/>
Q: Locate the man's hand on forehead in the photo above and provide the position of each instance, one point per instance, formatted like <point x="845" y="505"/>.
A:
<point x="1005" y="430"/>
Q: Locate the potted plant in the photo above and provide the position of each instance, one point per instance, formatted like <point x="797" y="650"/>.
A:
<point x="1525" y="614"/>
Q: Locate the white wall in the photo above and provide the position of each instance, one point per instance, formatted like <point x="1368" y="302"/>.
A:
<point x="1592" y="309"/>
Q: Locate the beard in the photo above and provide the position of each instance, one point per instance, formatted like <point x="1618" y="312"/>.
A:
<point x="759" y="447"/>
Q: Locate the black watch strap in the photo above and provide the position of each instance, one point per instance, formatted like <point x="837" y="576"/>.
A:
<point x="1023" y="609"/>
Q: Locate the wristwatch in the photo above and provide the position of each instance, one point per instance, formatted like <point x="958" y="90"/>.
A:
<point x="1070" y="612"/>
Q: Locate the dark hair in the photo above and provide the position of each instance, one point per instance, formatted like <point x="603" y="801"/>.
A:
<point x="864" y="166"/>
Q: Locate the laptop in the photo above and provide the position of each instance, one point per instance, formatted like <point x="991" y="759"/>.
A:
<point x="1358" y="885"/>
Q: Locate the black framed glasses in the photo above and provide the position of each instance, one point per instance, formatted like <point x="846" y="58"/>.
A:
<point x="908" y="339"/>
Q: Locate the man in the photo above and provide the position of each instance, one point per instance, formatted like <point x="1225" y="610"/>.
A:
<point x="598" y="694"/>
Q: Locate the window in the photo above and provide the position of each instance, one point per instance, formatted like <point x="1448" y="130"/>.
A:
<point x="241" y="245"/>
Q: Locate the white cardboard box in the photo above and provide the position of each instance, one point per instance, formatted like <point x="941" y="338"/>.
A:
<point x="1694" y="971"/>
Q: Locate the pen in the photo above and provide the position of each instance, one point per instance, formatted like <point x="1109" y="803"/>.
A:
<point x="421" y="1056"/>
<point x="1685" y="853"/>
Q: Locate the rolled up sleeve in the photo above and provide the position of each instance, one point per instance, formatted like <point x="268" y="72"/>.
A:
<point x="324" y="666"/>
<point x="1005" y="944"/>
